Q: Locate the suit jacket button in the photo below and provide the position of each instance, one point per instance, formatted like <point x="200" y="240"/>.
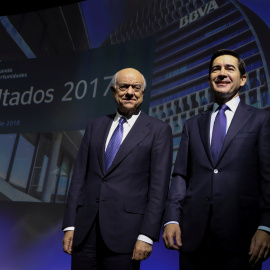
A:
<point x="208" y="198"/>
<point x="97" y="200"/>
<point x="215" y="170"/>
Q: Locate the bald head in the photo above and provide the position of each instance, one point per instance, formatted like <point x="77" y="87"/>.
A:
<point x="126" y="70"/>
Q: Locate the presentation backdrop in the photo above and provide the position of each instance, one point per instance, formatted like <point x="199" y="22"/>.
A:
<point x="46" y="101"/>
<point x="63" y="93"/>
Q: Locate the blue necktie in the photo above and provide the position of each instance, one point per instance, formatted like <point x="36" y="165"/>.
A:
<point x="219" y="132"/>
<point x="114" y="143"/>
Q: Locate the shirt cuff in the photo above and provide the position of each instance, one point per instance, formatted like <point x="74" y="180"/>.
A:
<point x="264" y="228"/>
<point x="145" y="239"/>
<point x="69" y="229"/>
<point x="171" y="222"/>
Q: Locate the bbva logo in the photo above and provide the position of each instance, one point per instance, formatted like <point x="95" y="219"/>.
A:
<point x="200" y="12"/>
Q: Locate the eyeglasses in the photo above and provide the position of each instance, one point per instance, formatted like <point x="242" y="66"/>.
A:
<point x="124" y="87"/>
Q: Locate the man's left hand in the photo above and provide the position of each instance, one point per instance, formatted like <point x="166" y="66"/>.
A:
<point x="260" y="247"/>
<point x="142" y="251"/>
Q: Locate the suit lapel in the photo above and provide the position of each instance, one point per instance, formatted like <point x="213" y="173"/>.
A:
<point x="204" y="129"/>
<point x="102" y="137"/>
<point x="242" y="114"/>
<point x="135" y="136"/>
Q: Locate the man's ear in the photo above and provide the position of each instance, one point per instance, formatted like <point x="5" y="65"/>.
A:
<point x="113" y="89"/>
<point x="243" y="80"/>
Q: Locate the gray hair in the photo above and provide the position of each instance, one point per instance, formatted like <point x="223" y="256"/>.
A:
<point x="114" y="79"/>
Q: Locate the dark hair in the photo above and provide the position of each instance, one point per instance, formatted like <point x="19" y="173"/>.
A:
<point x="241" y="63"/>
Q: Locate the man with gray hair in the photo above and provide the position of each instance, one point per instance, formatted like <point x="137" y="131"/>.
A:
<point x="120" y="183"/>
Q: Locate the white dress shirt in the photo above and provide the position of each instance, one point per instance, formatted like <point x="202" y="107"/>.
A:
<point x="232" y="104"/>
<point x="126" y="126"/>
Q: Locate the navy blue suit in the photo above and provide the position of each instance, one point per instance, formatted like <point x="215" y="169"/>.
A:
<point x="129" y="198"/>
<point x="237" y="187"/>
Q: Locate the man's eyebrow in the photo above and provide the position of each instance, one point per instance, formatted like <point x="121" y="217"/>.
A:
<point x="229" y="65"/>
<point x="129" y="83"/>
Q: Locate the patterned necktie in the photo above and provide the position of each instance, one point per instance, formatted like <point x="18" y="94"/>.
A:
<point x="114" y="143"/>
<point x="219" y="132"/>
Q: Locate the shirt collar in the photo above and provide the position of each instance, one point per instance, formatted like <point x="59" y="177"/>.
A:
<point x="232" y="104"/>
<point x="131" y="120"/>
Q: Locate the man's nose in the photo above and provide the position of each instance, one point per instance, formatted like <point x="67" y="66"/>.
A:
<point x="130" y="90"/>
<point x="223" y="72"/>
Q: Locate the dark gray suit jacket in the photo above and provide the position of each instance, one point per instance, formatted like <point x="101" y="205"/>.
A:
<point x="130" y="197"/>
<point x="238" y="185"/>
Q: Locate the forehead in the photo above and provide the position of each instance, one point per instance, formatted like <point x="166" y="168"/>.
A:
<point x="129" y="76"/>
<point x="225" y="60"/>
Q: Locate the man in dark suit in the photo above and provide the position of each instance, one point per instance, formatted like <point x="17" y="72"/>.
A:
<point x="116" y="204"/>
<point x="218" y="210"/>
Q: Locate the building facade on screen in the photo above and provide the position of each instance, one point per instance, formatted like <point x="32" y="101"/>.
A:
<point x="187" y="33"/>
<point x="38" y="167"/>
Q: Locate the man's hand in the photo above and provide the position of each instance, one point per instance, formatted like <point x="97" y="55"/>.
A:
<point x="142" y="250"/>
<point x="67" y="242"/>
<point x="260" y="247"/>
<point x="172" y="236"/>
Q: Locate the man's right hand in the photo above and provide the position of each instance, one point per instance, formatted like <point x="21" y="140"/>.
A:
<point x="67" y="242"/>
<point x="172" y="236"/>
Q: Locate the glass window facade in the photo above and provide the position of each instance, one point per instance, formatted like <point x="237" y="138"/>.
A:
<point x="40" y="166"/>
<point x="7" y="142"/>
<point x="180" y="90"/>
<point x="22" y="161"/>
<point x="26" y="165"/>
<point x="185" y="43"/>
